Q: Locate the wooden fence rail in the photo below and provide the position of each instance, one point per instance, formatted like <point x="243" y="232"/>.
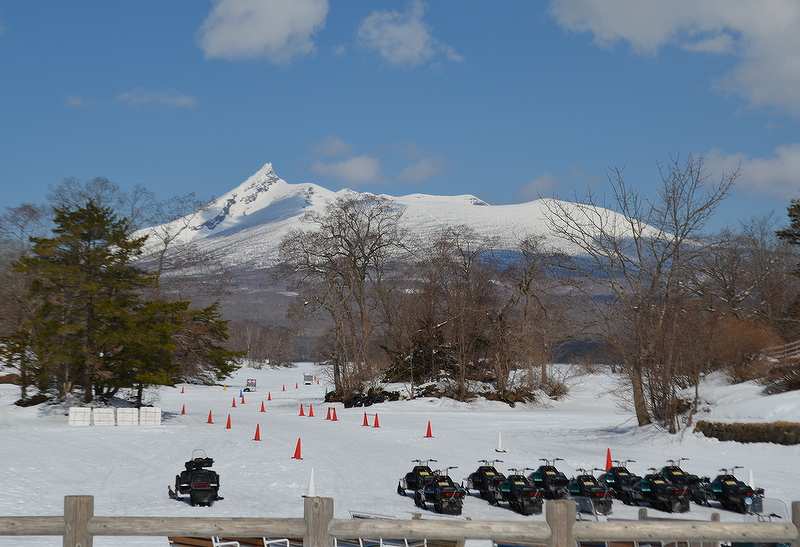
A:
<point x="318" y="528"/>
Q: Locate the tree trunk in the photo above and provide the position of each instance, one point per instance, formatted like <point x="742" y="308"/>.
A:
<point x="639" y="401"/>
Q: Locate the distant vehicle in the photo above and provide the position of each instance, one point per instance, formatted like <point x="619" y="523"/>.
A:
<point x="520" y="494"/>
<point x="698" y="486"/>
<point x="197" y="481"/>
<point x="734" y="495"/>
<point x="308" y="379"/>
<point x="485" y="481"/>
<point x="590" y="495"/>
<point x="551" y="480"/>
<point x="432" y="487"/>
<point x="250" y="385"/>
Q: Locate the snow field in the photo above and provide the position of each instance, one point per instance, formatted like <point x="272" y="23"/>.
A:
<point x="128" y="469"/>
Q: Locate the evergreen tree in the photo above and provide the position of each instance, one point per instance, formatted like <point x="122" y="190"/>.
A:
<point x="791" y="234"/>
<point x="90" y="324"/>
<point x="84" y="288"/>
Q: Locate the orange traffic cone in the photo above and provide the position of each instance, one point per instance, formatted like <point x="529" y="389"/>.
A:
<point x="295" y="385"/>
<point x="298" y="451"/>
<point x="181" y="390"/>
<point x="377" y="423"/>
<point x="333" y="415"/>
<point x="269" y="396"/>
<point x="609" y="463"/>
<point x="233" y="403"/>
<point x="210" y="419"/>
<point x="365" y="422"/>
<point x="242" y="400"/>
<point x="283" y="388"/>
<point x="429" y="431"/>
<point x="302" y="411"/>
<point x="263" y="408"/>
<point x="328" y="414"/>
<point x="183" y="410"/>
<point x="257" y="436"/>
<point x="311" y="410"/>
<point x="228" y="423"/>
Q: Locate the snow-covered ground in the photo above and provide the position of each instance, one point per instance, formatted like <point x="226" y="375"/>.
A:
<point x="744" y="402"/>
<point x="128" y="469"/>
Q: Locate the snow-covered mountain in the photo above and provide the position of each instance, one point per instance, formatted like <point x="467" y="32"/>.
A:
<point x="244" y="227"/>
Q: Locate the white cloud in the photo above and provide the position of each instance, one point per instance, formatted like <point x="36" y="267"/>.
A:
<point x="421" y="170"/>
<point x="537" y="187"/>
<point x="75" y="101"/>
<point x="137" y="97"/>
<point x="276" y="29"/>
<point x="762" y="34"/>
<point x="403" y="38"/>
<point x="777" y="175"/>
<point x="719" y="43"/>
<point x="332" y="146"/>
<point x="356" y="170"/>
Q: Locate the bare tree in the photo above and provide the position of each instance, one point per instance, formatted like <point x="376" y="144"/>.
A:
<point x="645" y="252"/>
<point x="169" y="221"/>
<point x="345" y="251"/>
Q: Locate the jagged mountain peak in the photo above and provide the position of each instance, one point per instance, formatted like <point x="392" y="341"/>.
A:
<point x="244" y="227"/>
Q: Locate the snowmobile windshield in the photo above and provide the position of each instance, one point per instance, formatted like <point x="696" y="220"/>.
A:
<point x="199" y="454"/>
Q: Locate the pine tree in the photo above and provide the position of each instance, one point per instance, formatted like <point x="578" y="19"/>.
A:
<point x="91" y="325"/>
<point x="792" y="234"/>
<point x="84" y="288"/>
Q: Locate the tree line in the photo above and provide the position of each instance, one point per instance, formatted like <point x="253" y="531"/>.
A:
<point x="668" y="301"/>
<point x="81" y="314"/>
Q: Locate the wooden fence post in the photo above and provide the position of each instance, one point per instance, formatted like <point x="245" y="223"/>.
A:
<point x="318" y="514"/>
<point x="78" y="511"/>
<point x="560" y="516"/>
<point x="796" y="521"/>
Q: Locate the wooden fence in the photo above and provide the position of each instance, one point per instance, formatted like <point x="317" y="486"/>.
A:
<point x="318" y="528"/>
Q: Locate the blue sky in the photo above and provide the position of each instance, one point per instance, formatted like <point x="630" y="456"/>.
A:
<point x="504" y="100"/>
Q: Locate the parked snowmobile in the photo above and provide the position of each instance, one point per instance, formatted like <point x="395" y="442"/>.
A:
<point x="420" y="475"/>
<point x="520" y="494"/>
<point x="658" y="493"/>
<point x="697" y="485"/>
<point x="735" y="495"/>
<point x="485" y="481"/>
<point x="442" y="493"/>
<point x="621" y="482"/>
<point x="552" y="481"/>
<point x="197" y="481"/>
<point x="590" y="495"/>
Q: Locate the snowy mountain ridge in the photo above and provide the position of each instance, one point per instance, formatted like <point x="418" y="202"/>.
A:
<point x="244" y="226"/>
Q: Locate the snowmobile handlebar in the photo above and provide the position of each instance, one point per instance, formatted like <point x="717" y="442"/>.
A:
<point x="551" y="462"/>
<point x="424" y="462"/>
<point x="490" y="462"/>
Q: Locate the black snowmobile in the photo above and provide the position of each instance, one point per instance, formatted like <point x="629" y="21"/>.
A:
<point x="520" y="494"/>
<point x="485" y="481"/>
<point x="621" y="482"/>
<point x="655" y="491"/>
<point x="197" y="481"/>
<point x="734" y="495"/>
<point x="698" y="486"/>
<point x="444" y="495"/>
<point x="420" y="475"/>
<point x="590" y="495"/>
<point x="552" y="481"/>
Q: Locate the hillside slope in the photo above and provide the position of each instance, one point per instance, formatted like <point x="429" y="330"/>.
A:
<point x="244" y="226"/>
